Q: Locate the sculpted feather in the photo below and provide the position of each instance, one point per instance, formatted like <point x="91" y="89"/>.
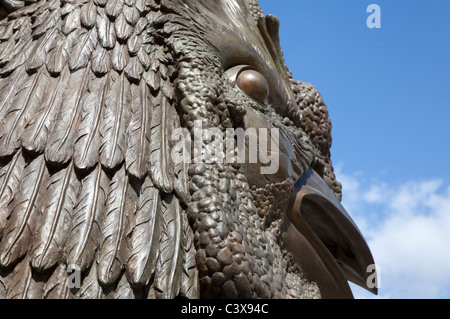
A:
<point x="120" y="57"/>
<point x="6" y="47"/>
<point x="22" y="109"/>
<point x="57" y="286"/>
<point x="60" y="143"/>
<point x="88" y="15"/>
<point x="124" y="289"/>
<point x="82" y="51"/>
<point x="23" y="48"/>
<point x="171" y="254"/>
<point x="9" y="184"/>
<point x="71" y="21"/>
<point x="90" y="289"/>
<point x="113" y="8"/>
<point x="106" y="32"/>
<point x="59" y="54"/>
<point x="5" y="278"/>
<point x="139" y="131"/>
<point x="9" y="88"/>
<point x="152" y="78"/>
<point x="87" y="142"/>
<point x="61" y="192"/>
<point x="22" y="284"/>
<point x="47" y="19"/>
<point x="160" y="160"/>
<point x="181" y="179"/>
<point x="115" y="121"/>
<point x="22" y="39"/>
<point x="134" y="70"/>
<point x="87" y="217"/>
<point x="131" y="14"/>
<point x="21" y="225"/>
<point x="123" y="29"/>
<point x="38" y="129"/>
<point x="101" y="61"/>
<point x="112" y="243"/>
<point x="143" y="247"/>
<point x="189" y="280"/>
<point x="40" y="50"/>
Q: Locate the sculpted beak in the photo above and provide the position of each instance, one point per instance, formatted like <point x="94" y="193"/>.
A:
<point x="330" y="247"/>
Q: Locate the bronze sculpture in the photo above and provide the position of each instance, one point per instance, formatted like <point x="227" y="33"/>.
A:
<point x="90" y="93"/>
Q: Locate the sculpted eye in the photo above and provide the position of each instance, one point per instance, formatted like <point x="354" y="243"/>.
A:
<point x="253" y="83"/>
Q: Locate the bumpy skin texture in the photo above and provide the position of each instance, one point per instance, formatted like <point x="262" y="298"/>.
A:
<point x="90" y="93"/>
<point x="316" y="123"/>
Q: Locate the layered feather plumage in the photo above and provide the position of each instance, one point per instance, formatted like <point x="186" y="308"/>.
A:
<point x="86" y="181"/>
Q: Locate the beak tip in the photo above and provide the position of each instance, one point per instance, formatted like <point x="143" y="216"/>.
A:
<point x="335" y="228"/>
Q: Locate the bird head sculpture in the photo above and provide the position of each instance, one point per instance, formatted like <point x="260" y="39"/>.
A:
<point x="91" y="94"/>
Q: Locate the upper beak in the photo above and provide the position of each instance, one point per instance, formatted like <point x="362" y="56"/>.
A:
<point x="325" y="240"/>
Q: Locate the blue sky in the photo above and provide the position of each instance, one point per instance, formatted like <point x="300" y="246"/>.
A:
<point x="388" y="95"/>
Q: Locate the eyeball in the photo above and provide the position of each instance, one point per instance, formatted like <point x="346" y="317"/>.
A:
<point x="250" y="81"/>
<point x="253" y="84"/>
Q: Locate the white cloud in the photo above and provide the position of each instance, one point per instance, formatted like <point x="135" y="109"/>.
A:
<point x="408" y="230"/>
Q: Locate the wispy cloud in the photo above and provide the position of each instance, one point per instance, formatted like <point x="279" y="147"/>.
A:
<point x="408" y="230"/>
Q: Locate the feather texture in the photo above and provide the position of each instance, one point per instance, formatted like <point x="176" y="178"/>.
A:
<point x="131" y="14"/>
<point x="123" y="29"/>
<point x="22" y="284"/>
<point x="181" y="179"/>
<point x="57" y="286"/>
<point x="22" y="38"/>
<point x="87" y="218"/>
<point x="134" y="70"/>
<point x="82" y="51"/>
<point x="62" y="188"/>
<point x="139" y="131"/>
<point x="152" y="78"/>
<point x="143" y="57"/>
<point x="7" y="31"/>
<point x="87" y="142"/>
<point x="9" y="184"/>
<point x="21" y="56"/>
<point x="48" y="19"/>
<point x="86" y="175"/>
<point x="160" y="160"/>
<point x="120" y="57"/>
<point x="71" y="21"/>
<point x="112" y="243"/>
<point x="134" y="44"/>
<point x="168" y="276"/>
<point x="40" y="50"/>
<point x="106" y="32"/>
<point x="101" y="61"/>
<point x="9" y="88"/>
<point x="5" y="278"/>
<point x="115" y="121"/>
<point x="60" y="143"/>
<point x="143" y="247"/>
<point x="6" y="47"/>
<point x="113" y="8"/>
<point x="90" y="289"/>
<point x="88" y="15"/>
<point x="20" y="228"/>
<point x="58" y="56"/>
<point x="124" y="289"/>
<point x="22" y="108"/>
<point x="38" y="129"/>
<point x="189" y="280"/>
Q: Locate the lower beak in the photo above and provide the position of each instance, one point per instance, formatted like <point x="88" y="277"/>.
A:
<point x="325" y="241"/>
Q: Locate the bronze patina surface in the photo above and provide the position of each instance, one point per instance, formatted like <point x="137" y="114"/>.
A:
<point x="90" y="94"/>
